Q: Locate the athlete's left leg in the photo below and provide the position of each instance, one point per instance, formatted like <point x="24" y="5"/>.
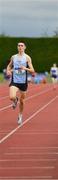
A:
<point x="21" y="105"/>
<point x="22" y="101"/>
<point x="54" y="81"/>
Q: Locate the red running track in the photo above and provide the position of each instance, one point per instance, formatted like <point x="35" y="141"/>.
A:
<point x="29" y="151"/>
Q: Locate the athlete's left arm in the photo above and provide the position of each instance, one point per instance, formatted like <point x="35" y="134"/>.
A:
<point x="30" y="67"/>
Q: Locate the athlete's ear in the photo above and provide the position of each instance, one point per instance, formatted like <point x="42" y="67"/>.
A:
<point x="24" y="46"/>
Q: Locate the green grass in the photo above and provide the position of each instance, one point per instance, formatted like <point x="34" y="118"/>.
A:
<point x="49" y="80"/>
<point x="1" y="78"/>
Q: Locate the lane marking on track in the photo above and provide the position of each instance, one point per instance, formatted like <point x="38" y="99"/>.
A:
<point x="32" y="133"/>
<point x="35" y="148"/>
<point x="27" y="178"/>
<point x="30" y="97"/>
<point x="25" y="167"/>
<point x="7" y="96"/>
<point x="28" y="160"/>
<point x="4" y="97"/>
<point x="34" y="153"/>
<point x="6" y="107"/>
<point x="28" y="119"/>
<point x="21" y="133"/>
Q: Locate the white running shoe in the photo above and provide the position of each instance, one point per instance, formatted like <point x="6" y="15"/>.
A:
<point x="20" y="119"/>
<point x="15" y="103"/>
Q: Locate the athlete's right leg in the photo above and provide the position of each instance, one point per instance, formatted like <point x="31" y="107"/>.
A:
<point x="13" y="97"/>
<point x="13" y="91"/>
<point x="54" y="81"/>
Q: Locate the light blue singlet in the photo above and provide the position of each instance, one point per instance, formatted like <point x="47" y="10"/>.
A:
<point x="19" y="76"/>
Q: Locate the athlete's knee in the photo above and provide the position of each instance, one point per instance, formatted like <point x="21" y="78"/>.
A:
<point x="12" y="97"/>
<point x="21" y="100"/>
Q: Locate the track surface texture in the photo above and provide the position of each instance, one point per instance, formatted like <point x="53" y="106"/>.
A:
<point x="29" y="151"/>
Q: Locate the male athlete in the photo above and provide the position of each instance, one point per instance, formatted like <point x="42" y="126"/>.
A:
<point x="54" y="75"/>
<point x="18" y="67"/>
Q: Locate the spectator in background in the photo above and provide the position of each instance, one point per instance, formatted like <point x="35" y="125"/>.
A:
<point x="54" y="75"/>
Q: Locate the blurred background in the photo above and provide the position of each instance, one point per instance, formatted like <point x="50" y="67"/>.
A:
<point x="35" y="22"/>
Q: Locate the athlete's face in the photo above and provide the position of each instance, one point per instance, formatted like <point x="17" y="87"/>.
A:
<point x="21" y="47"/>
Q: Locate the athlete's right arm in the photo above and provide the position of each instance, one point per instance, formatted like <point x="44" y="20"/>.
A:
<point x="9" y="67"/>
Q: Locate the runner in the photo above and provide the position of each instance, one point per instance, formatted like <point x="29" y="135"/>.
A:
<point x="54" y="75"/>
<point x="18" y="67"/>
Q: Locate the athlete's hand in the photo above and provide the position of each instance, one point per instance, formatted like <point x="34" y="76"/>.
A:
<point x="34" y="74"/>
<point x="8" y="72"/>
<point x="23" y="68"/>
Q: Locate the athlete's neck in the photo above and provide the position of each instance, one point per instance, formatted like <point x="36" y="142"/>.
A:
<point x="21" y="53"/>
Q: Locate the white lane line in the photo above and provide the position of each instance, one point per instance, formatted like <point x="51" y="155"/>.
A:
<point x="4" y="97"/>
<point x="45" y="130"/>
<point x="39" y="153"/>
<point x="30" y="97"/>
<point x="6" y="107"/>
<point x="35" y="133"/>
<point x="28" y="119"/>
<point x="25" y="167"/>
<point x="38" y="94"/>
<point x="32" y="88"/>
<point x="27" y="178"/>
<point x="33" y="148"/>
<point x="27" y="160"/>
<point x="31" y="133"/>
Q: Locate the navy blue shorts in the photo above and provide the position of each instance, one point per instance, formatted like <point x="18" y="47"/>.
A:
<point x="54" y="76"/>
<point x="22" y="87"/>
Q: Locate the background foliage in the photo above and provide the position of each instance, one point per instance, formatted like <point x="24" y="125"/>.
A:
<point x="43" y="51"/>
